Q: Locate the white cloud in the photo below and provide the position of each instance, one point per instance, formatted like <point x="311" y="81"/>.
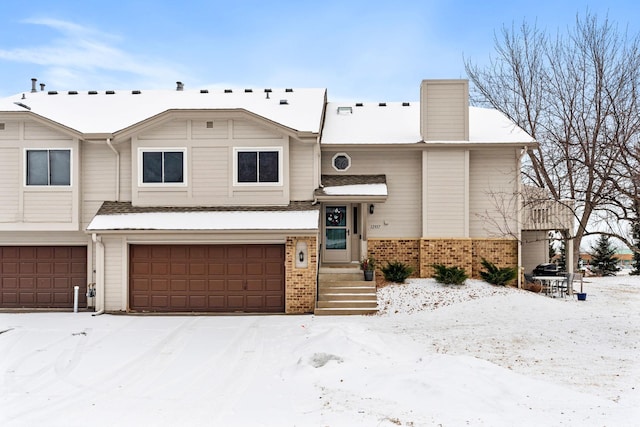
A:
<point x="83" y="57"/>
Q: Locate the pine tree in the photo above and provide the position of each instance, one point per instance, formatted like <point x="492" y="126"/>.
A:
<point x="562" y="261"/>
<point x="603" y="257"/>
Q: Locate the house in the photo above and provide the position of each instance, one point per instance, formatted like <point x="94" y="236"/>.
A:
<point x="233" y="200"/>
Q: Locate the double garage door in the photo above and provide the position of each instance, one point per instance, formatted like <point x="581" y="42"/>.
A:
<point x="206" y="278"/>
<point x="42" y="276"/>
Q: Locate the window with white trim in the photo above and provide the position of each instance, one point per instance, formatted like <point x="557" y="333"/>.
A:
<point x="48" y="167"/>
<point x="162" y="166"/>
<point x="258" y="166"/>
<point x="341" y="162"/>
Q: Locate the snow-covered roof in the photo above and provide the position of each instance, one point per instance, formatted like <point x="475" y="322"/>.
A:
<point x="364" y="187"/>
<point x="123" y="216"/>
<point x="399" y="123"/>
<point x="100" y="112"/>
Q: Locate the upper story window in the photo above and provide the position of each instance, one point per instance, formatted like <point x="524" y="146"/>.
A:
<point x="48" y="167"/>
<point x="341" y="162"/>
<point x="162" y="166"/>
<point x="258" y="166"/>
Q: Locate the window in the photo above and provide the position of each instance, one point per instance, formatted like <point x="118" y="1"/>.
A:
<point x="258" y="166"/>
<point x="48" y="167"/>
<point x="163" y="167"/>
<point x="341" y="162"/>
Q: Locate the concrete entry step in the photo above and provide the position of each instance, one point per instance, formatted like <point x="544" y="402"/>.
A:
<point x="342" y="290"/>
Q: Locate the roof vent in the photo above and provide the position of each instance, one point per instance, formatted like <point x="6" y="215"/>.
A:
<point x="93" y="92"/>
<point x="248" y="90"/>
<point x="288" y="90"/>
<point x="19" y="104"/>
<point x="33" y="85"/>
<point x="135" y="92"/>
<point x="42" y="85"/>
<point x="204" y="91"/>
<point x="110" y="92"/>
<point x="73" y="92"/>
<point x="405" y="104"/>
<point x="52" y="92"/>
<point x="268" y="90"/>
<point x="228" y="91"/>
<point x="284" y="102"/>
<point x="382" y="104"/>
<point x="345" y="110"/>
<point x="179" y="86"/>
<point x="358" y="104"/>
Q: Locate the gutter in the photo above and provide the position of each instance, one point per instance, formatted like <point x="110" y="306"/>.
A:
<point x="110" y="145"/>
<point x="99" y="306"/>
<point x="520" y="212"/>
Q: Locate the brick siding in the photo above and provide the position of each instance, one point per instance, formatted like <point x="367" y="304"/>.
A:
<point x="300" y="283"/>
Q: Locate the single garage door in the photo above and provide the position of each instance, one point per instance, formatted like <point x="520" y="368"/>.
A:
<point x="206" y="278"/>
<point x="42" y="276"/>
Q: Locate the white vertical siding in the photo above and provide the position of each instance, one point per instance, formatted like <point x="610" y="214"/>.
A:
<point x="535" y="249"/>
<point x="301" y="171"/>
<point x="98" y="178"/>
<point x="444" y="110"/>
<point x="114" y="272"/>
<point x="210" y="173"/>
<point x="174" y="129"/>
<point x="37" y="131"/>
<point x="10" y="184"/>
<point x="11" y="130"/>
<point x="445" y="193"/>
<point x="493" y="193"/>
<point x="48" y="206"/>
<point x="219" y="129"/>
<point x="400" y="215"/>
<point x="125" y="171"/>
<point x="244" y="129"/>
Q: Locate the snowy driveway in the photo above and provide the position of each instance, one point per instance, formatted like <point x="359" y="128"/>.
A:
<point x="444" y="366"/>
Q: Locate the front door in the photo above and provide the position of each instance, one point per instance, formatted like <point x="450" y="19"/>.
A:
<point x="337" y="240"/>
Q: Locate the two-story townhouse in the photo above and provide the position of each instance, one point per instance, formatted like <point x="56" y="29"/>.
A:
<point x="230" y="200"/>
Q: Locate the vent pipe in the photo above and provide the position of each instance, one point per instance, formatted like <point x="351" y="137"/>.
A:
<point x="179" y="86"/>
<point x="33" y="85"/>
<point x="42" y="85"/>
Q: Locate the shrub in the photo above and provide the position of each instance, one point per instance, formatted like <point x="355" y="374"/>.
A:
<point x="449" y="275"/>
<point x="497" y="276"/>
<point x="396" y="272"/>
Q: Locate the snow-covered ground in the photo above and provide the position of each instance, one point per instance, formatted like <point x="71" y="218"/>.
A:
<point x="474" y="355"/>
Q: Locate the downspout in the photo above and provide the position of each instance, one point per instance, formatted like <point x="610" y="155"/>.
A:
<point x="520" y="209"/>
<point x="99" y="306"/>
<point x="110" y="145"/>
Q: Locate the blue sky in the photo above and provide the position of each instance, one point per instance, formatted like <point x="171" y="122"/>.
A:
<point x="358" y="50"/>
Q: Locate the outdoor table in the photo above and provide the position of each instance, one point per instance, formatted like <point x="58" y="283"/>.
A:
<point x="553" y="284"/>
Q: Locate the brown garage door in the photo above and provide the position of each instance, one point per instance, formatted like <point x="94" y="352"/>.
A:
<point x="42" y="276"/>
<point x="206" y="278"/>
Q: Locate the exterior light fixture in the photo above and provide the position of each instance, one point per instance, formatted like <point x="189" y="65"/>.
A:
<point x="371" y="208"/>
<point x="301" y="256"/>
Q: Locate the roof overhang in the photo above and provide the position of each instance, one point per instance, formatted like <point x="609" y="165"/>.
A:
<point x="352" y="188"/>
<point x="122" y="217"/>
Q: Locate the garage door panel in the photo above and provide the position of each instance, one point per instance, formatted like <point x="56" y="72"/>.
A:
<point x="207" y="278"/>
<point x="9" y="268"/>
<point x="197" y="285"/>
<point x="216" y="302"/>
<point x="9" y="283"/>
<point x="216" y="285"/>
<point x="161" y="285"/>
<point x="178" y="285"/>
<point x="27" y="268"/>
<point x="9" y="297"/>
<point x="140" y="284"/>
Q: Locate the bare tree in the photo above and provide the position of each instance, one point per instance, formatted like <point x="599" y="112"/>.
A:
<point x="577" y="95"/>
